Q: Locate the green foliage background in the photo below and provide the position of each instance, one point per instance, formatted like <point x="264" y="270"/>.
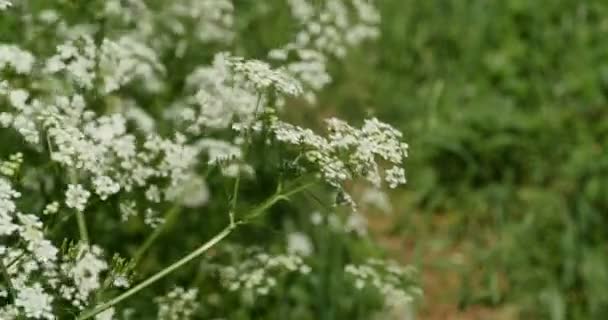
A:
<point x="505" y="106"/>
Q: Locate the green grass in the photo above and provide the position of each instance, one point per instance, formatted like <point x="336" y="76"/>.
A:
<point x="504" y="104"/>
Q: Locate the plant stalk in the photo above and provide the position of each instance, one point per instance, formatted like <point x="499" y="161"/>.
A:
<point x="9" y="283"/>
<point x="82" y="227"/>
<point x="161" y="274"/>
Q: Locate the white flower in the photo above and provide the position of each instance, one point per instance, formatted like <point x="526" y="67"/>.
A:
<point x="299" y="243"/>
<point x="4" y="4"/>
<point x="263" y="77"/>
<point x="7" y="208"/>
<point x="12" y="56"/>
<point x="105" y="186"/>
<point x="86" y="271"/>
<point x="377" y="198"/>
<point x="35" y="302"/>
<point x="395" y="176"/>
<point x="179" y="304"/>
<point x="51" y="208"/>
<point x="192" y="192"/>
<point x="76" y="197"/>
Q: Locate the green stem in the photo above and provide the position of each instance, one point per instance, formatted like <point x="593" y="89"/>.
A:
<point x="11" y="288"/>
<point x="235" y="196"/>
<point x="161" y="274"/>
<point x="196" y="253"/>
<point x="274" y="199"/>
<point x="82" y="227"/>
<point x="169" y="218"/>
<point x="235" y="191"/>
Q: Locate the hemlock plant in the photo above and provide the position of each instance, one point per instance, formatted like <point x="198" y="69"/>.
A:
<point x="76" y="92"/>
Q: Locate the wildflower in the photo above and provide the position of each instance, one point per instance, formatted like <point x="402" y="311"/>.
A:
<point x="179" y="304"/>
<point x="104" y="186"/>
<point x="299" y="243"/>
<point x="86" y="271"/>
<point x="35" y="302"/>
<point x="12" y="56"/>
<point x="76" y="197"/>
<point x="4" y="4"/>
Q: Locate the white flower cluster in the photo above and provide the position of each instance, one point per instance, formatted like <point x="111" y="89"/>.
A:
<point x="115" y="62"/>
<point x="12" y="56"/>
<point x="83" y="112"/>
<point x="5" y="4"/>
<point x="298" y="243"/>
<point x="85" y="271"/>
<point x="76" y="197"/>
<point x="354" y="222"/>
<point x="258" y="274"/>
<point x="326" y="30"/>
<point x="178" y="304"/>
<point x="10" y="167"/>
<point x="99" y="146"/>
<point x="38" y="277"/>
<point x="172" y="24"/>
<point x="231" y="93"/>
<point x="349" y="153"/>
<point x="395" y="283"/>
<point x="263" y="77"/>
<point x="213" y="19"/>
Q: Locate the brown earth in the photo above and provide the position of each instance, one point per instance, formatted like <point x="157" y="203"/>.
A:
<point x="441" y="284"/>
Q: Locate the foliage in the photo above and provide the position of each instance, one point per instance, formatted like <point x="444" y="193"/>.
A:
<point x="506" y="101"/>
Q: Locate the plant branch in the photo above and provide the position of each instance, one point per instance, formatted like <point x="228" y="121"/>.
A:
<point x="169" y="218"/>
<point x="278" y="196"/>
<point x="82" y="227"/>
<point x="11" y="288"/>
<point x="161" y="274"/>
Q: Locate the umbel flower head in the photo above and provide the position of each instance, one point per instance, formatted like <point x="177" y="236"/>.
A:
<point x="350" y="153"/>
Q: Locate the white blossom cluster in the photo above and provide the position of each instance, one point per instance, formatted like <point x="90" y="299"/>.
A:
<point x="231" y="93"/>
<point x="99" y="146"/>
<point x="5" y="4"/>
<point x="326" y="30"/>
<point x="116" y="63"/>
<point x="178" y="304"/>
<point x="395" y="283"/>
<point x="170" y="25"/>
<point x="11" y="56"/>
<point x="349" y="153"/>
<point x="39" y="274"/>
<point x="92" y="99"/>
<point x="354" y="223"/>
<point x="258" y="274"/>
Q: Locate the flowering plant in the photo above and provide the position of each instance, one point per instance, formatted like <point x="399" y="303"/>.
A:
<point x="116" y="130"/>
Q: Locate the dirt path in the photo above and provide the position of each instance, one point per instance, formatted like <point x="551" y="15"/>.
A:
<point x="441" y="284"/>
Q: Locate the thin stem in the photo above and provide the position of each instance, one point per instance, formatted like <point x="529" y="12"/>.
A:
<point x="82" y="223"/>
<point x="274" y="199"/>
<point x="161" y="274"/>
<point x="235" y="191"/>
<point x="11" y="288"/>
<point x="82" y="227"/>
<point x="169" y="218"/>
<point x="235" y="196"/>
<point x="278" y="196"/>
<point x="12" y="262"/>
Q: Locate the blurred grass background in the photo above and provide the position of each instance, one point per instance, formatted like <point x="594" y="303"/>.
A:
<point x="504" y="105"/>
